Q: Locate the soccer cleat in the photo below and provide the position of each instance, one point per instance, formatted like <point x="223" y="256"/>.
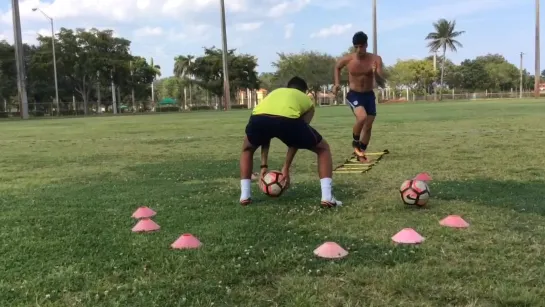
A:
<point x="331" y="203"/>
<point x="360" y="155"/>
<point x="245" y="202"/>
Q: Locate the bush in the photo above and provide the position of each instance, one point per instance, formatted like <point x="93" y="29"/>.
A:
<point x="167" y="109"/>
<point x="197" y="108"/>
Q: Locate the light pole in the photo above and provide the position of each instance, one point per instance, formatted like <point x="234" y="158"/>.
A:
<point x="19" y="62"/>
<point x="520" y="86"/>
<point x="537" y="92"/>
<point x="54" y="58"/>
<point x="226" y="91"/>
<point x="375" y="47"/>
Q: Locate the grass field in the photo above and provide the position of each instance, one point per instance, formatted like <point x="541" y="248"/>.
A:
<point x="68" y="189"/>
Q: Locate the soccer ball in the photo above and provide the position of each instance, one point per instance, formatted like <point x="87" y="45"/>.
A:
<point x="270" y="184"/>
<point x="414" y="192"/>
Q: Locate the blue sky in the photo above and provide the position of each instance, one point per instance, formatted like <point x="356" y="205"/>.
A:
<point x="163" y="29"/>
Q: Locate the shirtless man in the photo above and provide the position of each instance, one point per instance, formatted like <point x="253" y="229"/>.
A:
<point x="363" y="70"/>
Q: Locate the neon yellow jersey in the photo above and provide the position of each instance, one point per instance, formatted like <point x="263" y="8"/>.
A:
<point x="285" y="102"/>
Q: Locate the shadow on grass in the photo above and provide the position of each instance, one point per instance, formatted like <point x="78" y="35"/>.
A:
<point x="85" y="226"/>
<point x="520" y="196"/>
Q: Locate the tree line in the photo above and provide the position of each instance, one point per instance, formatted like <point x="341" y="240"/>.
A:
<point x="96" y="68"/>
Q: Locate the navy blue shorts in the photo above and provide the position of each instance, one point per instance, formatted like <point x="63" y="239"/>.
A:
<point x="365" y="100"/>
<point x="292" y="132"/>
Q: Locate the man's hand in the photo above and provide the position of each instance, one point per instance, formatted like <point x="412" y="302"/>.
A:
<point x="263" y="172"/>
<point x="285" y="180"/>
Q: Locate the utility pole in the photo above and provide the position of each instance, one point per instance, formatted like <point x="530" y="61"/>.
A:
<point x="226" y="90"/>
<point x="537" y="66"/>
<point x="520" y="86"/>
<point x="375" y="47"/>
<point x="54" y="59"/>
<point x="18" y="42"/>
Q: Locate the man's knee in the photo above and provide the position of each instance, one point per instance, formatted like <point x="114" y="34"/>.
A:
<point x="247" y="146"/>
<point x="368" y="124"/>
<point x="361" y="115"/>
<point x="322" y="146"/>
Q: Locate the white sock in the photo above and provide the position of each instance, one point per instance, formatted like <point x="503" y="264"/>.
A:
<point x="245" y="189"/>
<point x="325" y="183"/>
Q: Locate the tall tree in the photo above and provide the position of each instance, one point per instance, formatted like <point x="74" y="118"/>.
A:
<point x="417" y="75"/>
<point x="208" y="71"/>
<point x="315" y="67"/>
<point x="182" y="68"/>
<point x="443" y="38"/>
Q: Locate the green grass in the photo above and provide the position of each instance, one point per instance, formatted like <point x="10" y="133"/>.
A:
<point x="68" y="189"/>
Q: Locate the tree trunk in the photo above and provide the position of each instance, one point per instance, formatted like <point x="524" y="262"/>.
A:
<point x="442" y="72"/>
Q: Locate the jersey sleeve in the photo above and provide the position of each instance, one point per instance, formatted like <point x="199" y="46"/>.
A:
<point x="305" y="103"/>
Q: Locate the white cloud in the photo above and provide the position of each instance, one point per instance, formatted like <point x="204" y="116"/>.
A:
<point x="249" y="26"/>
<point x="122" y="11"/>
<point x="196" y="32"/>
<point x="333" y="30"/>
<point x="288" y="30"/>
<point x="148" y="31"/>
<point x="448" y="10"/>
<point x="287" y="7"/>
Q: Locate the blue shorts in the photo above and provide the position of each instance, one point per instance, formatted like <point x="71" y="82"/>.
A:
<point x="294" y="132"/>
<point x="366" y="100"/>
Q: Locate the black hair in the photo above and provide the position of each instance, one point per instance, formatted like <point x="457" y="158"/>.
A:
<point x="359" y="38"/>
<point x="298" y="83"/>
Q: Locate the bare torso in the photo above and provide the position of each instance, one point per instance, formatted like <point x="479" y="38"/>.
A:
<point x="360" y="72"/>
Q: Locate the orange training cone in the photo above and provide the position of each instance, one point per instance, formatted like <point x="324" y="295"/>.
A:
<point x="330" y="250"/>
<point x="423" y="177"/>
<point x="186" y="241"/>
<point x="145" y="224"/>
<point x="454" y="221"/>
<point x="143" y="212"/>
<point x="408" y="236"/>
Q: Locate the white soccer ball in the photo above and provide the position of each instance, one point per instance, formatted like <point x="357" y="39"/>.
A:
<point x="414" y="192"/>
<point x="270" y="184"/>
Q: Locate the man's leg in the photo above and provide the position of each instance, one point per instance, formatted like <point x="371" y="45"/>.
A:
<point x="256" y="135"/>
<point x="246" y="167"/>
<point x="325" y="172"/>
<point x="302" y="136"/>
<point x="370" y="107"/>
<point x="366" y="132"/>
<point x="355" y="102"/>
<point x="361" y="118"/>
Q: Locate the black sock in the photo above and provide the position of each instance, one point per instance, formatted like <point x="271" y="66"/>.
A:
<point x="363" y="146"/>
<point x="356" y="137"/>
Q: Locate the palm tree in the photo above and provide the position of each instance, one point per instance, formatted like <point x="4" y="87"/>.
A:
<point x="182" y="65"/>
<point x="444" y="37"/>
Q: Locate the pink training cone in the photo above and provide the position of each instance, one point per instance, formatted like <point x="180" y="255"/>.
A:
<point x="423" y="177"/>
<point x="408" y="236"/>
<point x="330" y="250"/>
<point x="143" y="212"/>
<point x="186" y="241"/>
<point x="145" y="224"/>
<point x="454" y="221"/>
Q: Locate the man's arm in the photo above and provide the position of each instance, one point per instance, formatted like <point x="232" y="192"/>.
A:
<point x="289" y="158"/>
<point x="308" y="115"/>
<point x="379" y="72"/>
<point x="265" y="152"/>
<point x="341" y="63"/>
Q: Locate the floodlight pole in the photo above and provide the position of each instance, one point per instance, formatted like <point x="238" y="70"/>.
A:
<point x="537" y="66"/>
<point x="375" y="27"/>
<point x="226" y="90"/>
<point x="54" y="59"/>
<point x="18" y="42"/>
<point x="520" y="86"/>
